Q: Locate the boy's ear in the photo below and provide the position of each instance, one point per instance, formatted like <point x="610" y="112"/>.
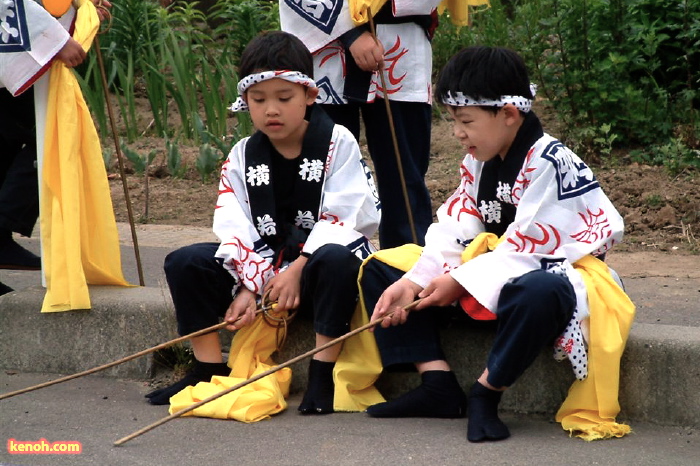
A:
<point x="311" y="94"/>
<point x="512" y="114"/>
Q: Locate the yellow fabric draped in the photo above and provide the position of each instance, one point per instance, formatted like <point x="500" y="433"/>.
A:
<point x="358" y="367"/>
<point x="458" y="9"/>
<point x="251" y="351"/>
<point x="79" y="236"/>
<point x="591" y="406"/>
<point x="358" y="9"/>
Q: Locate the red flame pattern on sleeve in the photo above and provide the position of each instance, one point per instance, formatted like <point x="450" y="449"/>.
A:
<point x="461" y="202"/>
<point x="252" y="268"/>
<point x="546" y="244"/>
<point x="597" y="227"/>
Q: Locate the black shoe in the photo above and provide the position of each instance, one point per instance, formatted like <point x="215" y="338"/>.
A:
<point x="202" y="372"/>
<point x="15" y="257"/>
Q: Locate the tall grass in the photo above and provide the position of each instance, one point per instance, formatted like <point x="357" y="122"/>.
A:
<point x="173" y="58"/>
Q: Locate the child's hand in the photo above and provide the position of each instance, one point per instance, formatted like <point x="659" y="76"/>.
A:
<point x="72" y="53"/>
<point x="243" y="306"/>
<point x="285" y="288"/>
<point x="368" y="53"/>
<point x="441" y="291"/>
<point x="395" y="298"/>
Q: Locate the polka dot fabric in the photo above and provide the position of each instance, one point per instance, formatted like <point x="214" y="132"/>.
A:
<point x="458" y="99"/>
<point x="572" y="345"/>
<point x="244" y="84"/>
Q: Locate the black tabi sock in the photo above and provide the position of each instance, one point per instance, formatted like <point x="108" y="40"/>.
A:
<point x="202" y="372"/>
<point x="484" y="423"/>
<point x="439" y="395"/>
<point x="320" y="390"/>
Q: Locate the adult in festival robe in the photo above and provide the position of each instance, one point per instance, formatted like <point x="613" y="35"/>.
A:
<point x="80" y="244"/>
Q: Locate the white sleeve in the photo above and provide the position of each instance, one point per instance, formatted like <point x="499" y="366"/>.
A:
<point x="458" y="222"/>
<point x="28" y="42"/>
<point x="349" y="205"/>
<point x="245" y="255"/>
<point x="562" y="215"/>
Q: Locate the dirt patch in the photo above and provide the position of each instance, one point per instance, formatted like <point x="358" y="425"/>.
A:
<point x="662" y="213"/>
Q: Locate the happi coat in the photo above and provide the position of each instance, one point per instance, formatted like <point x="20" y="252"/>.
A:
<point x="245" y="220"/>
<point x="408" y="53"/>
<point x="550" y="211"/>
<point x="348" y="212"/>
<point x="541" y="208"/>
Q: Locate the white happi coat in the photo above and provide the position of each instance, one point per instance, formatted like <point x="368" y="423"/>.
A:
<point x="561" y="216"/>
<point x="407" y="51"/>
<point x="349" y="211"/>
<point x="29" y="38"/>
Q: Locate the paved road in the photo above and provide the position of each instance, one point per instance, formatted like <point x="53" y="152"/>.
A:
<point x="97" y="412"/>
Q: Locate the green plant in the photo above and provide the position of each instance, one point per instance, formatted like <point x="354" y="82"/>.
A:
<point x="654" y="200"/>
<point x="174" y="158"/>
<point x="207" y="161"/>
<point x="139" y="161"/>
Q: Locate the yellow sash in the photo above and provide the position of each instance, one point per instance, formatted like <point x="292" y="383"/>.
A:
<point x="251" y="351"/>
<point x="591" y="406"/>
<point x="79" y="236"/>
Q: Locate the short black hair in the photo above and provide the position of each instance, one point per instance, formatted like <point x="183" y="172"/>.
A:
<point x="483" y="72"/>
<point x="275" y="50"/>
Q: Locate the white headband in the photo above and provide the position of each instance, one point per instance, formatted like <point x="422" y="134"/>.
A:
<point x="244" y="84"/>
<point x="460" y="100"/>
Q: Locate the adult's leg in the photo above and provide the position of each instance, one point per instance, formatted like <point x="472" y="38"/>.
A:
<point x="416" y="341"/>
<point x="533" y="310"/>
<point x="347" y="115"/>
<point x="201" y="291"/>
<point x="19" y="191"/>
<point x="329" y="290"/>
<point x="412" y="124"/>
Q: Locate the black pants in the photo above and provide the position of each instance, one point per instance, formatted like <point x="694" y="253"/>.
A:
<point x="201" y="288"/>
<point x="19" y="187"/>
<point x="412" y="123"/>
<point x="533" y="310"/>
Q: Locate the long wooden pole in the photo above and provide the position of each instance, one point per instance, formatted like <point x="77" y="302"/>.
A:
<point x="120" y="159"/>
<point x="120" y="361"/>
<point x="397" y="152"/>
<point x="259" y="376"/>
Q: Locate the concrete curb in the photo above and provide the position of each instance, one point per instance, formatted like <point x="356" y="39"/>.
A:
<point x="660" y="368"/>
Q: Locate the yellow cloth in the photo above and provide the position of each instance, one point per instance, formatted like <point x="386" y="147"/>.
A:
<point x="251" y="349"/>
<point x="591" y="406"/>
<point x="359" y="364"/>
<point x="79" y="235"/>
<point x="458" y="9"/>
<point x="358" y="367"/>
<point x="358" y="9"/>
<point x="355" y="372"/>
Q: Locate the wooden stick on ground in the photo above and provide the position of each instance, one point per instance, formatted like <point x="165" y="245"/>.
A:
<point x="270" y="371"/>
<point x="120" y="361"/>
